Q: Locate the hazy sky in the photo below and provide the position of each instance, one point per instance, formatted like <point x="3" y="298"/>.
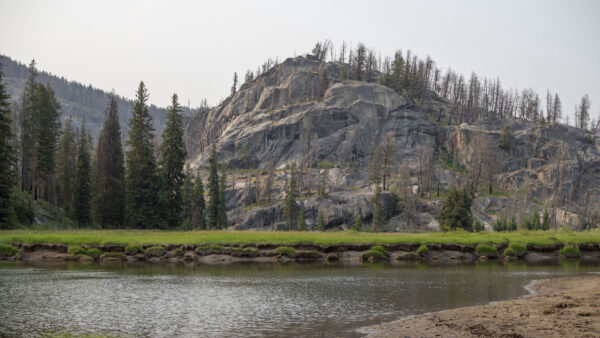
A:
<point x="193" y="47"/>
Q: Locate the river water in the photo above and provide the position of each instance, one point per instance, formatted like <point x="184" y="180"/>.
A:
<point x="245" y="300"/>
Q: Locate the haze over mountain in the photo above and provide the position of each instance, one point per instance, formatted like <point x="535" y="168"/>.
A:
<point x="77" y="100"/>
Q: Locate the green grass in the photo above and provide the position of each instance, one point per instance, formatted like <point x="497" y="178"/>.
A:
<point x="515" y="249"/>
<point x="287" y="251"/>
<point x="486" y="250"/>
<point x="422" y="250"/>
<point x="94" y="252"/>
<point x="112" y="254"/>
<point x="155" y="251"/>
<point x="75" y="250"/>
<point x="138" y="237"/>
<point x="376" y="254"/>
<point x="133" y="249"/>
<point x="7" y="250"/>
<point x="570" y="251"/>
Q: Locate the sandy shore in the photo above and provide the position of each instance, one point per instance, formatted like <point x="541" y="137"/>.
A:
<point x="565" y="307"/>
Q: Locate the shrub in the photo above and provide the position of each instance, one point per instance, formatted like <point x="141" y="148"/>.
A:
<point x="380" y="249"/>
<point x="7" y="250"/>
<point x="286" y="251"/>
<point x="155" y="251"/>
<point x="132" y="249"/>
<point x="94" y="252"/>
<point x="111" y="255"/>
<point x="422" y="250"/>
<point x="486" y="250"/>
<point x="75" y="250"/>
<point x="515" y="250"/>
<point x="570" y="251"/>
<point x="179" y="252"/>
<point x="477" y="226"/>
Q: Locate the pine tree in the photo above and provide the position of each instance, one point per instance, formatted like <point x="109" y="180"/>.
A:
<point x="321" y="226"/>
<point x="223" y="223"/>
<point x="7" y="164"/>
<point x="301" y="221"/>
<point x="187" y="196"/>
<point x="142" y="186"/>
<point x="379" y="217"/>
<point x="545" y="220"/>
<point x="456" y="210"/>
<point x="109" y="192"/>
<point x="65" y="166"/>
<point x="324" y="84"/>
<point x="81" y="189"/>
<point x="291" y="193"/>
<point x="213" y="189"/>
<point x="27" y="121"/>
<point x="357" y="223"/>
<point x="172" y="161"/>
<point x="234" y="85"/>
<point x="505" y="138"/>
<point x="199" y="204"/>
<point x="47" y="125"/>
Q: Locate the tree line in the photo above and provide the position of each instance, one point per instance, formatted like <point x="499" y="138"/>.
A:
<point x="138" y="185"/>
<point x="471" y="99"/>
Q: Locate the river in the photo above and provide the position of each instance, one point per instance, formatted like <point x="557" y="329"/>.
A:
<point x="245" y="300"/>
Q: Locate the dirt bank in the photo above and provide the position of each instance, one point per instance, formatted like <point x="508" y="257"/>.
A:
<point x="565" y="307"/>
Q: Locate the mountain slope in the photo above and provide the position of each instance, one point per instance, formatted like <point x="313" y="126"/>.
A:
<point x="281" y="118"/>
<point x="77" y="100"/>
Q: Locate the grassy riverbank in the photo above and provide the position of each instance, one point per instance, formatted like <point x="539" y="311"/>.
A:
<point x="283" y="237"/>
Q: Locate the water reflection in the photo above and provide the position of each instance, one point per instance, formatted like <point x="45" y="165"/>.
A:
<point x="246" y="299"/>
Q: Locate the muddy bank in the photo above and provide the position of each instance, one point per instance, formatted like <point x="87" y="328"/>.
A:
<point x="357" y="253"/>
<point x="565" y="307"/>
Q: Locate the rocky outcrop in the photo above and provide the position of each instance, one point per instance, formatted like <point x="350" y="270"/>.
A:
<point x="285" y="117"/>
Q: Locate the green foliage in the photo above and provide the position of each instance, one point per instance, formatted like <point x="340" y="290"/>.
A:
<point x="94" y="252"/>
<point x="422" y="250"/>
<point x="545" y="220"/>
<point x="512" y="224"/>
<point x="456" y="210"/>
<point x="179" y="252"/>
<point x="213" y="190"/>
<point x="22" y="206"/>
<point x="380" y="249"/>
<point x="133" y="249"/>
<point x="81" y="188"/>
<point x="142" y="185"/>
<point x="223" y="223"/>
<point x="7" y="154"/>
<point x="379" y="213"/>
<point x="376" y="253"/>
<point x="357" y="223"/>
<point x="477" y="225"/>
<point x="155" y="251"/>
<point x="506" y="138"/>
<point x="486" y="250"/>
<point x="65" y="166"/>
<point x="173" y="156"/>
<point x="515" y="249"/>
<point x="375" y="167"/>
<point x="291" y="194"/>
<point x="286" y="251"/>
<point x="589" y="139"/>
<point x="321" y="226"/>
<point x="7" y="250"/>
<point x="111" y="255"/>
<point x="75" y="250"/>
<point x="109" y="187"/>
<point x="198" y="204"/>
<point x="570" y="251"/>
<point x="301" y="221"/>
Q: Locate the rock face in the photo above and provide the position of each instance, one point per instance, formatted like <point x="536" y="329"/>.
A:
<point x="285" y="117"/>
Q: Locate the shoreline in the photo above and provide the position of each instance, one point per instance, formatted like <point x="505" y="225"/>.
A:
<point x="557" y="307"/>
<point x="285" y="253"/>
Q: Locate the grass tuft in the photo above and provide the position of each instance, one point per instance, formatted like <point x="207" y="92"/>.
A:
<point x="570" y="251"/>
<point x="133" y="249"/>
<point x="7" y="250"/>
<point x="286" y="251"/>
<point x="422" y="250"/>
<point x="486" y="250"/>
<point x="155" y="251"/>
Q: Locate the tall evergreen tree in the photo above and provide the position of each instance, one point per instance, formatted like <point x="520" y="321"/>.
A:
<point x="171" y="165"/>
<point x="456" y="210"/>
<point x="81" y="189"/>
<point x="7" y="164"/>
<point x="28" y="129"/>
<point x="234" y="85"/>
<point x="109" y="187"/>
<point x="187" y="196"/>
<point x="142" y="185"/>
<point x="199" y="204"/>
<point x="213" y="189"/>
<point x="291" y="193"/>
<point x="223" y="223"/>
<point x="47" y="125"/>
<point x="65" y="166"/>
<point x="379" y="216"/>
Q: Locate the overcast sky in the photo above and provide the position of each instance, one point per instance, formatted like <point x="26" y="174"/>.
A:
<point x="193" y="47"/>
